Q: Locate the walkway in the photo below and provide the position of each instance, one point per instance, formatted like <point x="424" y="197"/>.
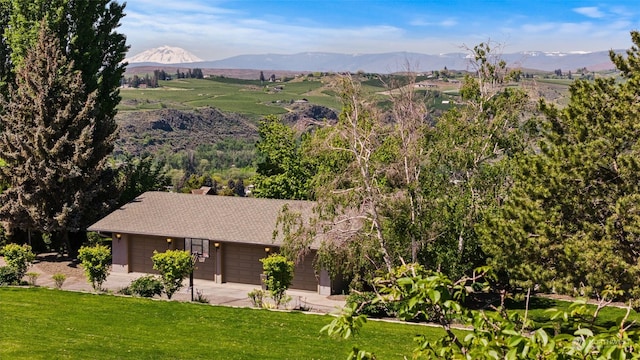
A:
<point x="228" y="294"/>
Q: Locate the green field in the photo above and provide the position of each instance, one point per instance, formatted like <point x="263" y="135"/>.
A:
<point x="231" y="95"/>
<point x="41" y="323"/>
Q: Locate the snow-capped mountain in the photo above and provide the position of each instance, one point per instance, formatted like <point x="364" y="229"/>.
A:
<point x="376" y="63"/>
<point x="164" y="55"/>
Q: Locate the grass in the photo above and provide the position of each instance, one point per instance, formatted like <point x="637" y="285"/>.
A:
<point x="41" y="323"/>
<point x="232" y="95"/>
<point x="607" y="317"/>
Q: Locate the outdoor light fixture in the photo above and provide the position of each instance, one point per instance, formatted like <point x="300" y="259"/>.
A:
<point x="169" y="240"/>
<point x="118" y="236"/>
<point x="267" y="249"/>
<point x="216" y="245"/>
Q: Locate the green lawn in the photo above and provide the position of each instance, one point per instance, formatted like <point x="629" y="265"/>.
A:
<point x="232" y="95"/>
<point x="41" y="323"/>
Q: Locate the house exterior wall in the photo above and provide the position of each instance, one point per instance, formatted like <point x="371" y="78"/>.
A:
<point x="141" y="248"/>
<point x="120" y="253"/>
<point x="230" y="262"/>
<point x="304" y="274"/>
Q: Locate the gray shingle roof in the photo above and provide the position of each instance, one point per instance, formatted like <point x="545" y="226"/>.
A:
<point x="218" y="218"/>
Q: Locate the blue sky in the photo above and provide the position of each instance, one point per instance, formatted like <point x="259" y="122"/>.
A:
<point x="215" y="30"/>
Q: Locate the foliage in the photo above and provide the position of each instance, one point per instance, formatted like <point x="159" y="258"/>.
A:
<point x="19" y="257"/>
<point x="137" y="175"/>
<point x="350" y="186"/>
<point x="8" y="276"/>
<point x="33" y="277"/>
<point x="467" y="163"/>
<point x="364" y="304"/>
<point x="95" y="261"/>
<point x="146" y="286"/>
<point x="266" y="334"/>
<point x="281" y="170"/>
<point x="59" y="112"/>
<point x="173" y="266"/>
<point x="201" y="298"/>
<point x="570" y="221"/>
<point x="493" y="335"/>
<point x="278" y="271"/>
<point x="256" y="296"/>
<point x="59" y="279"/>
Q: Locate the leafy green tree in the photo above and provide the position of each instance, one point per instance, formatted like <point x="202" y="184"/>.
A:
<point x="174" y="266"/>
<point x="281" y="171"/>
<point x="95" y="260"/>
<point x="490" y="335"/>
<point x="570" y="223"/>
<point x="467" y="161"/>
<point x="278" y="271"/>
<point x="138" y="175"/>
<point x="18" y="257"/>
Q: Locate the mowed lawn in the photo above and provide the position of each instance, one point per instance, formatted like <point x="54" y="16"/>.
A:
<point x="232" y="95"/>
<point x="42" y="323"/>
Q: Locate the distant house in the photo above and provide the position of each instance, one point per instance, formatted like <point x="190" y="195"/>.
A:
<point x="229" y="234"/>
<point x="204" y="190"/>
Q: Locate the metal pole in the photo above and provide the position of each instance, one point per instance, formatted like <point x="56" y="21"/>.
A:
<point x="191" y="284"/>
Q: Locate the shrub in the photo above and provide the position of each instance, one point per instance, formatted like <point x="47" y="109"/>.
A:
<point x="125" y="291"/>
<point x="364" y="305"/>
<point x="173" y="266"/>
<point x="146" y="286"/>
<point x="279" y="274"/>
<point x="257" y="297"/>
<point x="8" y="276"/>
<point x="95" y="262"/>
<point x="19" y="257"/>
<point x="201" y="298"/>
<point x="33" y="277"/>
<point x="59" y="280"/>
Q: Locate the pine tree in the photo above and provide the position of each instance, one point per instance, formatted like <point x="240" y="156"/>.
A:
<point x="85" y="33"/>
<point x="571" y="222"/>
<point x="49" y="144"/>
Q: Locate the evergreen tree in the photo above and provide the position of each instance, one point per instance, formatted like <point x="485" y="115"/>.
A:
<point x="571" y="221"/>
<point x="85" y="33"/>
<point x="52" y="145"/>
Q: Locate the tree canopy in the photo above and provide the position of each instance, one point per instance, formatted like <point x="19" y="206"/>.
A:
<point x="62" y="63"/>
<point x="570" y="223"/>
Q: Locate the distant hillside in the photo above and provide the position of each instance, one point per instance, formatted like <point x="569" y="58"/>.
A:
<point x="396" y="61"/>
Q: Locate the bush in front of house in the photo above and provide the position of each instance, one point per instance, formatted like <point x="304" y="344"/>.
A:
<point x="18" y="257"/>
<point x="146" y="286"/>
<point x="8" y="276"/>
<point x="174" y="266"/>
<point x="59" y="279"/>
<point x="278" y="271"/>
<point x="95" y="261"/>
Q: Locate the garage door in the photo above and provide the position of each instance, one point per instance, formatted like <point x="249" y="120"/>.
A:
<point x="241" y="263"/>
<point x="304" y="276"/>
<point x="141" y="250"/>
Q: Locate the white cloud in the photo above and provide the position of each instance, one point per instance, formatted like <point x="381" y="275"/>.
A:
<point x="590" y="11"/>
<point x="442" y="23"/>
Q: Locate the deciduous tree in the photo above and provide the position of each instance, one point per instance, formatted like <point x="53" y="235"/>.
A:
<point x="174" y="266"/>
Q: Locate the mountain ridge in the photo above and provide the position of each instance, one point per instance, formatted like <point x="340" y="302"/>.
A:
<point x="388" y="62"/>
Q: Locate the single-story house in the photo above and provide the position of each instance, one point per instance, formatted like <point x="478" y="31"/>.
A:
<point x="229" y="235"/>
